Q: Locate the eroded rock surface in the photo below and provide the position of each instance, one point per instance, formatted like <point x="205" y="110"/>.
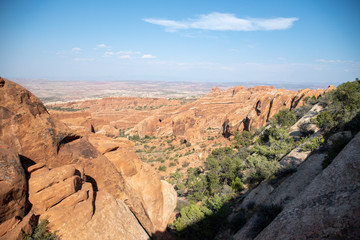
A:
<point x="13" y="189"/>
<point x="229" y="110"/>
<point x="329" y="207"/>
<point x="70" y="173"/>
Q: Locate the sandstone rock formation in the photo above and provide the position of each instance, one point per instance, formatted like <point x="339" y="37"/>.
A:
<point x="70" y="173"/>
<point x="13" y="189"/>
<point x="230" y="110"/>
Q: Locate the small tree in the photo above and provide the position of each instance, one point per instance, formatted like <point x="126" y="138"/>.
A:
<point x="237" y="185"/>
<point x="285" y="118"/>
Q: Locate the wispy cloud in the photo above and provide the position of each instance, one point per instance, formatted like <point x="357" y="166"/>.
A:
<point x="118" y="53"/>
<point x="330" y="61"/>
<point x="102" y="45"/>
<point x="148" y="56"/>
<point x="224" y="22"/>
<point x="76" y="50"/>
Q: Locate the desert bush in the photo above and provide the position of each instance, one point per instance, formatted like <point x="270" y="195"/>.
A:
<point x="162" y="168"/>
<point x="325" y="120"/>
<point x="301" y="111"/>
<point x="242" y="139"/>
<point x="342" y="106"/>
<point x="314" y="143"/>
<point x="260" y="168"/>
<point x="237" y="185"/>
<point x="305" y="129"/>
<point x="42" y="233"/>
<point x="189" y="216"/>
<point x="285" y="118"/>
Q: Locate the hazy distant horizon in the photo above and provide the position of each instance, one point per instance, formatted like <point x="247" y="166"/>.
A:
<point x="209" y="84"/>
<point x="279" y="43"/>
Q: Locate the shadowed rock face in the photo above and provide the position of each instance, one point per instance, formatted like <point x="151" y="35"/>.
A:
<point x="13" y="186"/>
<point x="318" y="204"/>
<point x="70" y="173"/>
<point x="329" y="207"/>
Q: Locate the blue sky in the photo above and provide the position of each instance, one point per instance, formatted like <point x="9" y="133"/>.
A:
<point x="313" y="42"/>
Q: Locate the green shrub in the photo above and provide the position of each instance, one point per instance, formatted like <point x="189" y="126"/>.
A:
<point x="172" y="164"/>
<point x="285" y="118"/>
<point x="314" y="143"/>
<point x="237" y="185"/>
<point x="260" y="168"/>
<point x="162" y="168"/>
<point x="242" y="139"/>
<point x="41" y="232"/>
<point x="325" y="120"/>
<point x="189" y="216"/>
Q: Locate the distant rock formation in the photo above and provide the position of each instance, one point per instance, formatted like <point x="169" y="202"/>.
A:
<point x="85" y="191"/>
<point x="230" y="110"/>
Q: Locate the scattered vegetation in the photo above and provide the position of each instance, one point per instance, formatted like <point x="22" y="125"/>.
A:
<point x="253" y="156"/>
<point x="314" y="143"/>
<point x="341" y="107"/>
<point x="71" y="109"/>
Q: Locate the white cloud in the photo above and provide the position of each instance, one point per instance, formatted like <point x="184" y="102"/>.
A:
<point x="111" y="53"/>
<point x="102" y="45"/>
<point x="76" y="49"/>
<point x="328" y="61"/>
<point x="224" y="22"/>
<point x="148" y="56"/>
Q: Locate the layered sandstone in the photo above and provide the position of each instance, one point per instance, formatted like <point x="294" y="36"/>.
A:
<point x="70" y="172"/>
<point x="229" y="110"/>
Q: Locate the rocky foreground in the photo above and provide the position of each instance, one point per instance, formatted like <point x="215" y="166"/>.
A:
<point x="87" y="186"/>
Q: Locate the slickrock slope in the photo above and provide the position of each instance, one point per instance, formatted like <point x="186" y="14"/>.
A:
<point x="73" y="183"/>
<point x="230" y="110"/>
<point x="329" y="207"/>
<point x="316" y="203"/>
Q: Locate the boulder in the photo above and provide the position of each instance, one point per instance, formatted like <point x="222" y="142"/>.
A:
<point x="26" y="125"/>
<point x="61" y="196"/>
<point x="112" y="220"/>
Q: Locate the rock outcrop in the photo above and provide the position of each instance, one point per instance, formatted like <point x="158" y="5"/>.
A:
<point x="72" y="179"/>
<point x="13" y="190"/>
<point x="316" y="203"/>
<point x="229" y="110"/>
<point x="329" y="207"/>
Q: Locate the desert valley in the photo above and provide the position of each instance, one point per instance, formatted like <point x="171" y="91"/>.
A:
<point x="177" y="168"/>
<point x="179" y="120"/>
